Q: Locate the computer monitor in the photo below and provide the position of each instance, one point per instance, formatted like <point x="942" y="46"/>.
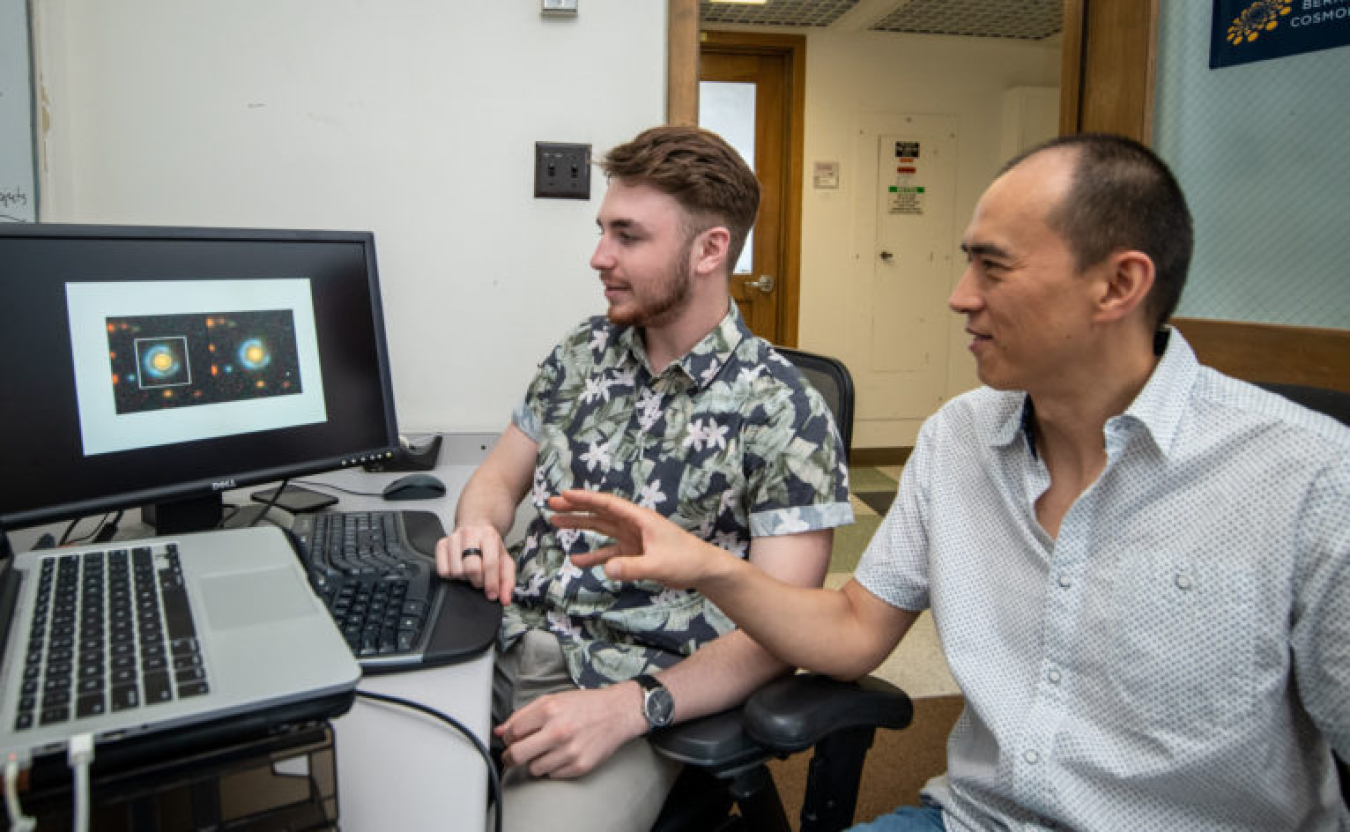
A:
<point x="154" y="366"/>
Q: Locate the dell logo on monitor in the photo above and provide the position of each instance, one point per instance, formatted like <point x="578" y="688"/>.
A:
<point x="222" y="485"/>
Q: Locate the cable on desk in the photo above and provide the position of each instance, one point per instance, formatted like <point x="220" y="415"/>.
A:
<point x="18" y="821"/>
<point x="80" y="754"/>
<point x="271" y="502"/>
<point x="266" y="509"/>
<point x="103" y="531"/>
<point x="494" y="781"/>
<point x="70" y="529"/>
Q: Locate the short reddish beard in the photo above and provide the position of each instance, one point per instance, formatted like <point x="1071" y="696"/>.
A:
<point x="674" y="291"/>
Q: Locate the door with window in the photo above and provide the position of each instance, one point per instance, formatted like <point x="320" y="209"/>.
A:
<point x="746" y="88"/>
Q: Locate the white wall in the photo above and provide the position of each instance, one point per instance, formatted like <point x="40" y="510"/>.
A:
<point x="415" y="119"/>
<point x="858" y="79"/>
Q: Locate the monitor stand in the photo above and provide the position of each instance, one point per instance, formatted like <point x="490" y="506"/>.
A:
<point x="194" y="514"/>
<point x="199" y="514"/>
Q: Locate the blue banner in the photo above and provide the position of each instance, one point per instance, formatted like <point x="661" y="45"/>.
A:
<point x="1243" y="31"/>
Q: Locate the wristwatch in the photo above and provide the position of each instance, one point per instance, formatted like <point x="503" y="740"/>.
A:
<point x="658" y="706"/>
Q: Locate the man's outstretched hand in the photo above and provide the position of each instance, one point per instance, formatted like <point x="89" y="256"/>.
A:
<point x="647" y="546"/>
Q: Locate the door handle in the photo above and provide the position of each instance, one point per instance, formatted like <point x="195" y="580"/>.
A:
<point x="765" y="283"/>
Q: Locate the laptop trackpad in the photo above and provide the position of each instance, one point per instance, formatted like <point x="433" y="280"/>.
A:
<point x="253" y="598"/>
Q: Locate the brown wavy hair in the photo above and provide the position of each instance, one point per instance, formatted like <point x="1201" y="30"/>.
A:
<point x="704" y="174"/>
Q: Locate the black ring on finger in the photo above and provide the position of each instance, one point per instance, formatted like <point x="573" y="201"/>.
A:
<point x="472" y="551"/>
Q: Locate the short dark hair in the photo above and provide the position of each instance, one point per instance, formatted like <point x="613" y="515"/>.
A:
<point x="704" y="174"/>
<point x="1123" y="197"/>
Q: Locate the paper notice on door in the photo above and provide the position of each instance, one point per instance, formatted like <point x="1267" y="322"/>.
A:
<point x="906" y="199"/>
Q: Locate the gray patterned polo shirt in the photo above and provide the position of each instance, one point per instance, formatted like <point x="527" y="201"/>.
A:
<point x="729" y="442"/>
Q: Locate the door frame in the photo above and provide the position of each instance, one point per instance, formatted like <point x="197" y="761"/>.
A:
<point x="792" y="49"/>
<point x="684" y="42"/>
<point x="1108" y="64"/>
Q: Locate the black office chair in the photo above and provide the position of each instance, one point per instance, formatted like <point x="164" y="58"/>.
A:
<point x="833" y="381"/>
<point x="1334" y="403"/>
<point x="726" y="754"/>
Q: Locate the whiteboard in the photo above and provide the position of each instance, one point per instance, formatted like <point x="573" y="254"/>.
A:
<point x="18" y="184"/>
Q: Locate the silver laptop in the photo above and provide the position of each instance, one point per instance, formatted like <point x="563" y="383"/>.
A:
<point x="127" y="640"/>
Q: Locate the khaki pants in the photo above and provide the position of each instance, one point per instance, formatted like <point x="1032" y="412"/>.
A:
<point x="623" y="794"/>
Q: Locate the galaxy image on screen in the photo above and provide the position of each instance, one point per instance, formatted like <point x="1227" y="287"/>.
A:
<point x="169" y="361"/>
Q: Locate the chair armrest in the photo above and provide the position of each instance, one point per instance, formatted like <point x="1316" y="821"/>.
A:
<point x="794" y="713"/>
<point x="717" y="742"/>
<point x="785" y="716"/>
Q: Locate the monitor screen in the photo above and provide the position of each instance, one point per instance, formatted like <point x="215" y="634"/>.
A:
<point x="163" y="366"/>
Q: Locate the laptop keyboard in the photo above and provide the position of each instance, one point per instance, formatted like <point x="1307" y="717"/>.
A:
<point x="111" y="630"/>
<point x="376" y="586"/>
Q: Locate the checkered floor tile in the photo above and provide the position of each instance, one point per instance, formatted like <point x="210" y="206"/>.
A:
<point x="872" y="490"/>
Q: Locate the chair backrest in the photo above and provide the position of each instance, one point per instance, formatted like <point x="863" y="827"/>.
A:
<point x="1334" y="403"/>
<point x="834" y="383"/>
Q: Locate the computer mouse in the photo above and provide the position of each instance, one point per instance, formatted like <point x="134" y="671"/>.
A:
<point x="415" y="487"/>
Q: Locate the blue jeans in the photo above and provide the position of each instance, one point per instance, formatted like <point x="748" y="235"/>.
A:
<point x="925" y="818"/>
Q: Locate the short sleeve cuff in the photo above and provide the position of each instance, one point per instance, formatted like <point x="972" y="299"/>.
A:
<point x="800" y="519"/>
<point x="525" y="419"/>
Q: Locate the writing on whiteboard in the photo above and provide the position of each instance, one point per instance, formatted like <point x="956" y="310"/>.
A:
<point x="12" y="201"/>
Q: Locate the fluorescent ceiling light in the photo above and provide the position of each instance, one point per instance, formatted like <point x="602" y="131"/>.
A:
<point x="741" y="2"/>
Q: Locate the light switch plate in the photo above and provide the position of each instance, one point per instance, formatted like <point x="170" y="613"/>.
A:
<point x="562" y="171"/>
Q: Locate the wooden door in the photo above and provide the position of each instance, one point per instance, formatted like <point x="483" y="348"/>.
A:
<point x="765" y="283"/>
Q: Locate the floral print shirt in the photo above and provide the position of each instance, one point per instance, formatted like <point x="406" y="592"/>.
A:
<point x="729" y="442"/>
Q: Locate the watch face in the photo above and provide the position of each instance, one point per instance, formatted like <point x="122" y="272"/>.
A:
<point x="659" y="707"/>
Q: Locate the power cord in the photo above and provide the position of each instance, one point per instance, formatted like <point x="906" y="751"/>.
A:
<point x="80" y="754"/>
<point x="18" y="821"/>
<point x="266" y="509"/>
<point x="494" y="780"/>
<point x="102" y="532"/>
<point x="272" y="501"/>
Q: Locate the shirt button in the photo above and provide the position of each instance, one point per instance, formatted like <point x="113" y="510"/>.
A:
<point x="1065" y="581"/>
<point x="1184" y="581"/>
<point x="1054" y="677"/>
<point x="1031" y="756"/>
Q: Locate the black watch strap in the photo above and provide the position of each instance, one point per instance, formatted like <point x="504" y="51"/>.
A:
<point x="658" y="706"/>
<point x="648" y="681"/>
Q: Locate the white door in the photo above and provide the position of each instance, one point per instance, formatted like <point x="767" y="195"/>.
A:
<point x="913" y="256"/>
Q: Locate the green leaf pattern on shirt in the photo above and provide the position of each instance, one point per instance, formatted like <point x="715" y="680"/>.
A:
<point x="728" y="442"/>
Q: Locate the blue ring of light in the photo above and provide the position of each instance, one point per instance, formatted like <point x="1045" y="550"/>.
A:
<point x="254" y="365"/>
<point x="148" y="362"/>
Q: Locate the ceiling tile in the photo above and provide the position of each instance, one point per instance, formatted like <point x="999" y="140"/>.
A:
<point x="776" y="12"/>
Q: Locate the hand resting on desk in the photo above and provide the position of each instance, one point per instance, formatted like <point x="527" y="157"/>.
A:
<point x="493" y="570"/>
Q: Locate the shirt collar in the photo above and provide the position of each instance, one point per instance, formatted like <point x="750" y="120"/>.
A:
<point x="702" y="363"/>
<point x="1157" y="408"/>
<point x="1161" y="404"/>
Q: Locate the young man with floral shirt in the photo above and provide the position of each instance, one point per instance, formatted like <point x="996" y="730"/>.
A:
<point x="670" y="401"/>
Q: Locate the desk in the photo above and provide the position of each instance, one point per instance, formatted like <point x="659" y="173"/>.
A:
<point x="397" y="769"/>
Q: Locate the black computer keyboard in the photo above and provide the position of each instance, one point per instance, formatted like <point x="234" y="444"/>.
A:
<point x="375" y="572"/>
<point x="111" y="631"/>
